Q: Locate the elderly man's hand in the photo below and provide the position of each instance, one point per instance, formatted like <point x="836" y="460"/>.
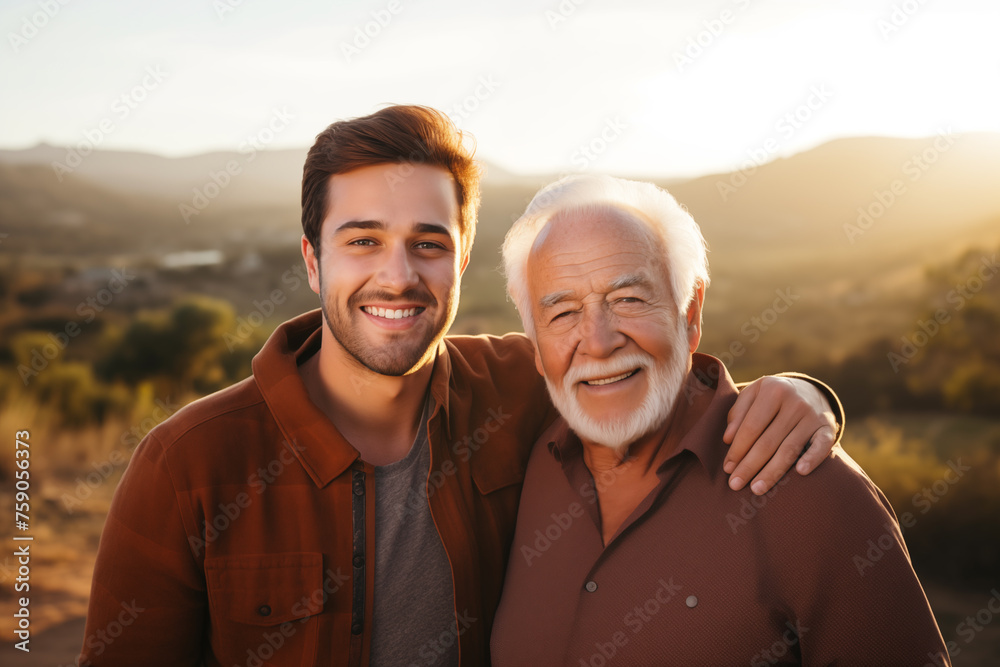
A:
<point x="770" y="424"/>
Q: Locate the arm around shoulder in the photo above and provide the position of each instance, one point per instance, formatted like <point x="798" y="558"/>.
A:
<point x="778" y="422"/>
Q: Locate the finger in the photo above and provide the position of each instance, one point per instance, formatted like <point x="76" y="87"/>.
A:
<point x="783" y="460"/>
<point x="820" y="447"/>
<point x="759" y="452"/>
<point x="739" y="411"/>
<point x="748" y="435"/>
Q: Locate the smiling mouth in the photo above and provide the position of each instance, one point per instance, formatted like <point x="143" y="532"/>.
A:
<point x="390" y="314"/>
<point x="617" y="378"/>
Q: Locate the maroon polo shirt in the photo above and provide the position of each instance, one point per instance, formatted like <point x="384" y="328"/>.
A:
<point x="815" y="572"/>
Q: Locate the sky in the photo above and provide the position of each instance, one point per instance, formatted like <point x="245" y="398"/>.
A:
<point x="631" y="87"/>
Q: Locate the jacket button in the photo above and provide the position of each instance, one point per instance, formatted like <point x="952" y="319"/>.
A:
<point x="591" y="586"/>
<point x="359" y="561"/>
<point x="359" y="489"/>
<point x="692" y="601"/>
<point x="264" y="610"/>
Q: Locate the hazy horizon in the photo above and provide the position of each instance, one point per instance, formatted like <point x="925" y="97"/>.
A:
<point x="750" y="162"/>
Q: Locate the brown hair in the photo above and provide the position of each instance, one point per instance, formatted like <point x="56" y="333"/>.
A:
<point x="395" y="135"/>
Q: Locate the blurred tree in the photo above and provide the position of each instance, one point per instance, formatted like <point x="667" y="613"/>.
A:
<point x="183" y="349"/>
<point x="961" y="363"/>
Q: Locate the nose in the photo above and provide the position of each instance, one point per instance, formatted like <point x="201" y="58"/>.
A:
<point x="396" y="273"/>
<point x="599" y="334"/>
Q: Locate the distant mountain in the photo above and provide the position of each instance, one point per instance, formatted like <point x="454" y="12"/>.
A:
<point x="851" y="226"/>
<point x="264" y="177"/>
<point x="856" y="200"/>
<point x="847" y="205"/>
<point x="251" y="178"/>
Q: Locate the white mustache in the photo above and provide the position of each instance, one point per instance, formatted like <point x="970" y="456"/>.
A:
<point x="606" y="369"/>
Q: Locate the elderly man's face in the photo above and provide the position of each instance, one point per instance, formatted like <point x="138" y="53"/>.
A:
<point x="610" y="341"/>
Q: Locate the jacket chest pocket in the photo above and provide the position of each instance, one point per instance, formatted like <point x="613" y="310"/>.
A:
<point x="263" y="608"/>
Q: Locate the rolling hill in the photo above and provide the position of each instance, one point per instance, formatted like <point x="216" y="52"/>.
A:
<point x="851" y="225"/>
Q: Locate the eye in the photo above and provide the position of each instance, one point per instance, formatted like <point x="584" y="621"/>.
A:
<point x="429" y="245"/>
<point x="562" y="314"/>
<point x="630" y="299"/>
<point x="362" y="242"/>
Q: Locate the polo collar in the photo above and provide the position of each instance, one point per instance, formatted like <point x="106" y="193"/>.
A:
<point x="704" y="440"/>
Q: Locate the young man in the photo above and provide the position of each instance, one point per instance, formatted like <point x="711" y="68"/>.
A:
<point x="353" y="501"/>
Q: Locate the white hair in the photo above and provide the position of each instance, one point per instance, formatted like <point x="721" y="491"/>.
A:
<point x="686" y="256"/>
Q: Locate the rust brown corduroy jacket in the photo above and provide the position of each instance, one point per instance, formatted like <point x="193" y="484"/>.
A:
<point x="242" y="532"/>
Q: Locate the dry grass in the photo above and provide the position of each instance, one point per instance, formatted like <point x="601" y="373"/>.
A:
<point x="73" y="477"/>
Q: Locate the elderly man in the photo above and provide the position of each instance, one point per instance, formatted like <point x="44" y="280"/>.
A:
<point x="630" y="549"/>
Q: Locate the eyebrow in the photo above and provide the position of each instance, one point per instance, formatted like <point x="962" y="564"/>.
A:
<point x="554" y="298"/>
<point x="630" y="280"/>
<point x="419" y="227"/>
<point x="550" y="300"/>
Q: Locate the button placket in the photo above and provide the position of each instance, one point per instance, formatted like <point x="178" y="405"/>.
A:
<point x="358" y="560"/>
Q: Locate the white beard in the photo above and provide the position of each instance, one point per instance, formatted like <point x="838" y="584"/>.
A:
<point x="664" y="382"/>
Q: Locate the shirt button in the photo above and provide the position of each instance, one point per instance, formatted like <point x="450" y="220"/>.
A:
<point x="264" y="610"/>
<point x="692" y="601"/>
<point x="359" y="561"/>
<point x="356" y="629"/>
<point x="591" y="586"/>
<point x="359" y="489"/>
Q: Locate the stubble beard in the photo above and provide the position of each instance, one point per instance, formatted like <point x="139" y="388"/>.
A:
<point x="403" y="352"/>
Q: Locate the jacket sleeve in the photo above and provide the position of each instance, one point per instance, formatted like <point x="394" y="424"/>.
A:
<point x="148" y="603"/>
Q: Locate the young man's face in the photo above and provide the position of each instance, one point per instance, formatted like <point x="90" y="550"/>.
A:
<point x="390" y="263"/>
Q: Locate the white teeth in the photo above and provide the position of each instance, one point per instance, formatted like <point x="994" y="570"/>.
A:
<point x="617" y="378"/>
<point x="390" y="314"/>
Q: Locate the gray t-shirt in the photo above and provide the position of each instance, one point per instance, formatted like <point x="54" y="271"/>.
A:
<point x="414" y="612"/>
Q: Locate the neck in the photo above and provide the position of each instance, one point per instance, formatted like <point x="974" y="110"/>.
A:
<point x="641" y="455"/>
<point x="625" y="476"/>
<point x="378" y="414"/>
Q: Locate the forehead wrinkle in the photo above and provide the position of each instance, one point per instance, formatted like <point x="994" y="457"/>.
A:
<point x="622" y="268"/>
<point x="566" y="265"/>
<point x="570" y="258"/>
<point x="557" y="260"/>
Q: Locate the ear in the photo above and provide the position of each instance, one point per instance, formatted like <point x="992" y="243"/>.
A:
<point x="538" y="361"/>
<point x="694" y="317"/>
<point x="312" y="263"/>
<point x="465" y="263"/>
